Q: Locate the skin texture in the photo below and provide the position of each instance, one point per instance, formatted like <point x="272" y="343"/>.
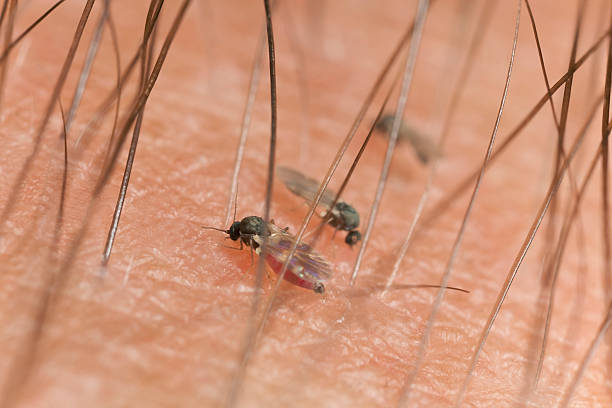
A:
<point x="166" y="324"/>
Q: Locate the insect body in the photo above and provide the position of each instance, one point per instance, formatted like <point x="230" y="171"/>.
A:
<point x="342" y="216"/>
<point x="307" y="268"/>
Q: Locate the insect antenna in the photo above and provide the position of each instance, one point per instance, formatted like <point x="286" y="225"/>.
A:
<point x="215" y="228"/>
<point x="233" y="220"/>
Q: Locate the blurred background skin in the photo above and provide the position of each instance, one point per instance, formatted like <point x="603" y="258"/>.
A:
<point x="166" y="326"/>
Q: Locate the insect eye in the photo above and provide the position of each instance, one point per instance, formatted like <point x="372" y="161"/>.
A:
<point x="352" y="237"/>
<point x="234" y="231"/>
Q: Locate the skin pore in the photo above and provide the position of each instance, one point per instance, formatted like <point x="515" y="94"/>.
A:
<point x="166" y="324"/>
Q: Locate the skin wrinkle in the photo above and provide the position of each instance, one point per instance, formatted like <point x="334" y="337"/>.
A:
<point x="114" y="345"/>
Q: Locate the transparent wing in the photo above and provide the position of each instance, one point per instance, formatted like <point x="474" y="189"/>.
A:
<point x="304" y="187"/>
<point x="306" y="263"/>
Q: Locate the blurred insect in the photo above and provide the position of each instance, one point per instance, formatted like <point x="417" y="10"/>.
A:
<point x="423" y="146"/>
<point x="307" y="268"/>
<point x="343" y="216"/>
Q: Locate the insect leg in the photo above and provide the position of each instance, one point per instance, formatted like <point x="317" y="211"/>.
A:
<point x="334" y="234"/>
<point x="231" y="247"/>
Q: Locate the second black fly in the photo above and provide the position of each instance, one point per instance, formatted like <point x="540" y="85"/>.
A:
<point x="342" y="216"/>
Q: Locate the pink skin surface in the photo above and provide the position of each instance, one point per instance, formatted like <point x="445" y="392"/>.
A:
<point x="166" y="326"/>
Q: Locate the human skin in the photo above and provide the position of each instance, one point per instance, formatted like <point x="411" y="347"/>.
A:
<point x="166" y="325"/>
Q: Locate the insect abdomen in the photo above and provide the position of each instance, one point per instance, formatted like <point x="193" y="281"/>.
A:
<point x="276" y="265"/>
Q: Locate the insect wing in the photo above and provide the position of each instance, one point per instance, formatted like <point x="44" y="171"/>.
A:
<point x="304" y="187"/>
<point x="306" y="268"/>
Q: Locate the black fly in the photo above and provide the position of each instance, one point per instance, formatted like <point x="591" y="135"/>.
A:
<point x="307" y="268"/>
<point x="423" y="146"/>
<point x="342" y="216"/>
